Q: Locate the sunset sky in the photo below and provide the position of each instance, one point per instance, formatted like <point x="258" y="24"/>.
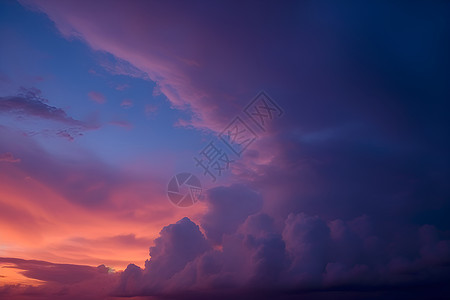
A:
<point x="339" y="188"/>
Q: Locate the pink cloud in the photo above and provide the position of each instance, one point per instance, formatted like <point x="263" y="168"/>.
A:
<point x="122" y="123"/>
<point x="126" y="103"/>
<point x="8" y="157"/>
<point x="97" y="97"/>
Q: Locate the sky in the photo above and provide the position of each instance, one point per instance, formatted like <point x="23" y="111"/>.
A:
<point x="317" y="132"/>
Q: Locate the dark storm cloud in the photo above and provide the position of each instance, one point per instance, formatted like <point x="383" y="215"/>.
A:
<point x="306" y="254"/>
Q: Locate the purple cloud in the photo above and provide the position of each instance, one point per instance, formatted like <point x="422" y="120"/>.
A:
<point x="228" y="207"/>
<point x="29" y="104"/>
<point x="26" y="106"/>
<point x="262" y="256"/>
<point x="60" y="281"/>
<point x="8" y="157"/>
<point x="178" y="244"/>
<point x="301" y="254"/>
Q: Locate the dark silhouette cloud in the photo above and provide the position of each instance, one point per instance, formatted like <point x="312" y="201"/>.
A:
<point x="306" y="254"/>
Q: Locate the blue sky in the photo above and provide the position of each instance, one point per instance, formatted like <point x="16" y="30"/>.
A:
<point x="67" y="70"/>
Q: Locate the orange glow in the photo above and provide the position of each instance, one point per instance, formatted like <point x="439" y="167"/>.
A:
<point x="9" y="274"/>
<point x="51" y="228"/>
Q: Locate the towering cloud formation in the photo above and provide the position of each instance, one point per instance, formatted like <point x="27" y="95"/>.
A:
<point x="259" y="255"/>
<point x="229" y="208"/>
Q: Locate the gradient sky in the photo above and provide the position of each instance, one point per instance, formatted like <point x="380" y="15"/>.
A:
<point x="343" y="195"/>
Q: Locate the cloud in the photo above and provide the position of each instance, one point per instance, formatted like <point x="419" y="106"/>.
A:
<point x="129" y="240"/>
<point x="303" y="254"/>
<point x="127" y="103"/>
<point x="122" y="123"/>
<point x="228" y="207"/>
<point x="354" y="176"/>
<point x="49" y="272"/>
<point x="24" y="106"/>
<point x="307" y="242"/>
<point x="150" y="109"/>
<point x="29" y="104"/>
<point x="191" y="77"/>
<point x="97" y="97"/>
<point x="117" y="66"/>
<point x="177" y="246"/>
<point x="8" y="157"/>
<point x="122" y="87"/>
<point x="59" y="281"/>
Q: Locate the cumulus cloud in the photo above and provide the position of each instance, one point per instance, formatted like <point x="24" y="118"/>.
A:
<point x="178" y="245"/>
<point x="266" y="258"/>
<point x="303" y="254"/>
<point x="228" y="207"/>
<point x="307" y="242"/>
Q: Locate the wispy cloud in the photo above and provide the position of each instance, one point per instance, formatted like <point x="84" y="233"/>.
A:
<point x="127" y="103"/>
<point x="122" y="123"/>
<point x="150" y="109"/>
<point x="122" y="87"/>
<point x="117" y="66"/>
<point x="97" y="97"/>
<point x="8" y="157"/>
<point x="29" y="104"/>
